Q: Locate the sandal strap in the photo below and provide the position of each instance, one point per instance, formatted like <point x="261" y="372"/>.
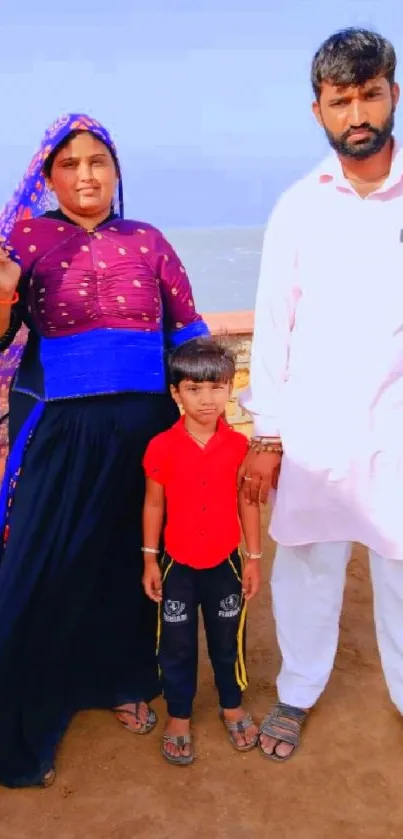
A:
<point x="178" y="740"/>
<point x="135" y="713"/>
<point x="284" y="723"/>
<point x="241" y="725"/>
<point x="290" y="711"/>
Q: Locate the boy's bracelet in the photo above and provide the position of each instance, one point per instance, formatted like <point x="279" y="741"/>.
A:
<point x="150" y="551"/>
<point x="253" y="556"/>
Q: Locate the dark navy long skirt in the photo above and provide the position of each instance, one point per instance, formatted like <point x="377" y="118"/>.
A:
<point x="76" y="630"/>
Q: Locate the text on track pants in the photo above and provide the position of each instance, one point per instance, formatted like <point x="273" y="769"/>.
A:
<point x="218" y="591"/>
<point x="307" y="588"/>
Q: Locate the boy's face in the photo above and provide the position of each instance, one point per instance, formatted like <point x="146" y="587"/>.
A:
<point x="203" y="402"/>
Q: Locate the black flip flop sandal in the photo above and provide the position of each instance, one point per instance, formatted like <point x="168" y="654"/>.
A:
<point x="240" y="727"/>
<point x="144" y="727"/>
<point x="178" y="740"/>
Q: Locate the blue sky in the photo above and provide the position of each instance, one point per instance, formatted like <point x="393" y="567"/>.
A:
<point x="209" y="100"/>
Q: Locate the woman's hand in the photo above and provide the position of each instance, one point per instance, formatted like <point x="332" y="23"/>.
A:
<point x="258" y="475"/>
<point x="10" y="274"/>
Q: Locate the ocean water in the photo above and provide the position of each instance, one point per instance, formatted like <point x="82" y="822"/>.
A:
<point x="222" y="263"/>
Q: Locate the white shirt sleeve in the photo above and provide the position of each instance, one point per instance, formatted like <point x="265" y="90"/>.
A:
<point x="276" y="302"/>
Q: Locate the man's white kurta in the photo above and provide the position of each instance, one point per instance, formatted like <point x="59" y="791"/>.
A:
<point x="327" y="360"/>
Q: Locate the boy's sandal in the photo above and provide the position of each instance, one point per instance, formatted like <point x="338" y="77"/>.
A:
<point x="144" y="726"/>
<point x="179" y="741"/>
<point x="284" y="724"/>
<point x="240" y="727"/>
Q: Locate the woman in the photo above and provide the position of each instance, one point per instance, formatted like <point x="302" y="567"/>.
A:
<point x="102" y="298"/>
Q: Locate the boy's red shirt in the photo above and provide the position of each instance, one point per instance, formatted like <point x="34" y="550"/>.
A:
<point x="201" y="492"/>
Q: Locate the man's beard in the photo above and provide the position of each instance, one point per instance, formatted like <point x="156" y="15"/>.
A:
<point x="378" y="137"/>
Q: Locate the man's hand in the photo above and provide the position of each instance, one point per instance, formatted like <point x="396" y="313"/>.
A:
<point x="251" y="578"/>
<point x="152" y="580"/>
<point x="257" y="475"/>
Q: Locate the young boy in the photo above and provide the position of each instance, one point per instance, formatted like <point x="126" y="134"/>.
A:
<point x="191" y="475"/>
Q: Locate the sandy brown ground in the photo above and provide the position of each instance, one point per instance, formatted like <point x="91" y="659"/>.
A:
<point x="346" y="781"/>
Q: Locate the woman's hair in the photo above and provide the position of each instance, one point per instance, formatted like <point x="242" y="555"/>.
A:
<point x="47" y="166"/>
<point x="202" y="360"/>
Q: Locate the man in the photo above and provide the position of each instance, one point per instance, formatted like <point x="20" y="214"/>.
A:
<point x="327" y="381"/>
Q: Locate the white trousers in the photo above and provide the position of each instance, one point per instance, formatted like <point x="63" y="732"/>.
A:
<point x="307" y="588"/>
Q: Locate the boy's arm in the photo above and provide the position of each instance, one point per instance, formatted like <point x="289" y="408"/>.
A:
<point x="153" y="516"/>
<point x="153" y="519"/>
<point x="249" y="515"/>
<point x="250" y="522"/>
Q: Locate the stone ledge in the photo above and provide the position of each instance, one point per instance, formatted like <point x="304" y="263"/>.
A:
<point x="230" y="323"/>
<point x="238" y="328"/>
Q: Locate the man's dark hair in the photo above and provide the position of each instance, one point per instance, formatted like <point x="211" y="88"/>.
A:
<point x="353" y="57"/>
<point x="202" y="360"/>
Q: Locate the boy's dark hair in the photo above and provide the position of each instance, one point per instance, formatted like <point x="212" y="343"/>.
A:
<point x="352" y="57"/>
<point x="202" y="360"/>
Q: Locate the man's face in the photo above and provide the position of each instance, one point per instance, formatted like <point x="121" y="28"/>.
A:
<point x="358" y="120"/>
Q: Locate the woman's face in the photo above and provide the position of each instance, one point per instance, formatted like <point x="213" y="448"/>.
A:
<point x="84" y="177"/>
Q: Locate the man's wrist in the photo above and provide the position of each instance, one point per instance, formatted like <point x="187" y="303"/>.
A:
<point x="270" y="445"/>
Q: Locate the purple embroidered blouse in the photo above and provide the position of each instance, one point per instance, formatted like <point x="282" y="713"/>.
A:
<point x="123" y="275"/>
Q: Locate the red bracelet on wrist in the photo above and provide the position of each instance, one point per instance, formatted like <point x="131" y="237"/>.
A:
<point x="15" y="298"/>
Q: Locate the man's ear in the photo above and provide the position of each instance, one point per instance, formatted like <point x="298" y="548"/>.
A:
<point x="395" y="94"/>
<point x="317" y="112"/>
